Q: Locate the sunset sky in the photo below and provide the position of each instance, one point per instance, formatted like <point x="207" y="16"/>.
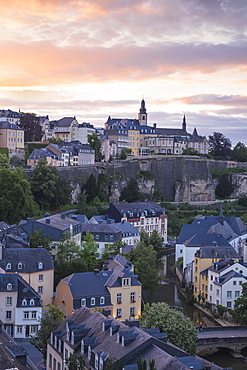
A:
<point x="96" y="58"/>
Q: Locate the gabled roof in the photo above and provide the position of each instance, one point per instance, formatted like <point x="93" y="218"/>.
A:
<point x="88" y="284"/>
<point x="64" y="122"/>
<point x="126" y="227"/>
<point x="29" y="259"/>
<point x="100" y="228"/>
<point x="217" y="252"/>
<point x="207" y="239"/>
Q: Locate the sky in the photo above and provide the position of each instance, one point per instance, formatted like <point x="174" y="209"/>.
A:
<point x="91" y="59"/>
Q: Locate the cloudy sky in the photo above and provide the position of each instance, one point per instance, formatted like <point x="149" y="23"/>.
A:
<point x="95" y="58"/>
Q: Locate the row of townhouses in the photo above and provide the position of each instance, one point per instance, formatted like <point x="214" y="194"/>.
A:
<point x="117" y="134"/>
<point x="214" y="254"/>
<point x="27" y="274"/>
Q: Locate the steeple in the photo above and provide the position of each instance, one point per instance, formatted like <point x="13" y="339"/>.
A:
<point x="184" y="123"/>
<point x="142" y="116"/>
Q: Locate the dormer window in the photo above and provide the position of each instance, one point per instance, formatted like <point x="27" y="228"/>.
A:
<point x="92" y="301"/>
<point x="8" y="266"/>
<point x="19" y="266"/>
<point x="24" y="302"/>
<point x="126" y="281"/>
<point x="40" y="265"/>
<point x="31" y="302"/>
<point x="9" y="286"/>
<point x="102" y="300"/>
<point x="83" y="302"/>
<point x="96" y="362"/>
<point x="82" y="346"/>
<point x="89" y="352"/>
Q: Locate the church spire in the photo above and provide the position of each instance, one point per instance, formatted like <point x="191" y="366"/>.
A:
<point x="184" y="123"/>
<point x="142" y="116"/>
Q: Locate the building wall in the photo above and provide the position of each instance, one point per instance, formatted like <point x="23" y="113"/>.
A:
<point x="64" y="298"/>
<point x="126" y="304"/>
<point x="26" y="327"/>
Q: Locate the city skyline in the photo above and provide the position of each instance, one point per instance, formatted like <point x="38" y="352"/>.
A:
<point x="98" y="58"/>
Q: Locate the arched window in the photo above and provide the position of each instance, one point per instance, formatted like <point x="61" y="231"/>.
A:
<point x="92" y="301"/>
<point x="83" y="302"/>
<point x="19" y="266"/>
<point x="31" y="302"/>
<point x="8" y="266"/>
<point x="40" y="265"/>
<point x="9" y="286"/>
<point x="24" y="302"/>
<point x="102" y="300"/>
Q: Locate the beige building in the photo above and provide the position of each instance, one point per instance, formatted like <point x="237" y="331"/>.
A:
<point x="63" y="128"/>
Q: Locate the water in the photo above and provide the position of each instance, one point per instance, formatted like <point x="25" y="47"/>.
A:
<point x="168" y="292"/>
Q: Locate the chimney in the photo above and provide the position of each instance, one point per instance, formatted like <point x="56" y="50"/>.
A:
<point x="106" y="312"/>
<point x="48" y="221"/>
<point x="154" y="125"/>
<point x="63" y="216"/>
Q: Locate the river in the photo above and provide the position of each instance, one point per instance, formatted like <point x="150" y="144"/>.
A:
<point x="168" y="292"/>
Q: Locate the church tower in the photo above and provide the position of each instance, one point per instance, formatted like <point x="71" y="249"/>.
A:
<point x="142" y="116"/>
<point x="184" y="123"/>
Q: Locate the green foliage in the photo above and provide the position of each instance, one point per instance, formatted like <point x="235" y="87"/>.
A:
<point x="180" y="263"/>
<point x="147" y="175"/>
<point x="216" y="173"/>
<point x="36" y="239"/>
<point x="240" y="307"/>
<point x="130" y="193"/>
<point x="124" y="153"/>
<point x="50" y="190"/>
<point x="144" y="259"/>
<point x="181" y="332"/>
<point x="112" y="249"/>
<point x="4" y="151"/>
<point x="242" y="200"/>
<point x="56" y="140"/>
<point x="219" y="145"/>
<point x="224" y="188"/>
<point x="89" y="251"/>
<point x="190" y="151"/>
<point x="31" y="125"/>
<point x="4" y="161"/>
<point x="156" y="241"/>
<point x="239" y="152"/>
<point x="16" y="161"/>
<point x="49" y="322"/>
<point x="168" y="206"/>
<point x="94" y="143"/>
<point x="91" y="188"/>
<point x="75" y="363"/>
<point x="16" y="200"/>
<point x="221" y="309"/>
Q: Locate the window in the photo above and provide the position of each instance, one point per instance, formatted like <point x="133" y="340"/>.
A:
<point x="195" y="290"/>
<point x="40" y="289"/>
<point x="41" y="277"/>
<point x="8" y="266"/>
<point x="196" y="268"/>
<point x="19" y="266"/>
<point x="31" y="302"/>
<point x="50" y="360"/>
<point x="196" y="260"/>
<point x="26" y="315"/>
<point x="132" y="311"/>
<point x="211" y="277"/>
<point x="119" y="297"/>
<point x="229" y="304"/>
<point x="34" y="314"/>
<point x="19" y="329"/>
<point x="40" y="265"/>
<point x="234" y="282"/>
<point x="102" y="300"/>
<point x="196" y="279"/>
<point x="34" y="329"/>
<point x="217" y="302"/>
<point x="8" y="315"/>
<point x="229" y="294"/>
<point x="83" y="302"/>
<point x="126" y="282"/>
<point x="202" y="286"/>
<point x="237" y="294"/>
<point x="9" y="286"/>
<point x="181" y="251"/>
<point x="240" y="283"/>
<point x="92" y="302"/>
<point x="24" y="302"/>
<point x="211" y="286"/>
<point x="54" y="364"/>
<point x="8" y="301"/>
<point x="64" y="298"/>
<point x="217" y="292"/>
<point x="132" y="297"/>
<point x="96" y="362"/>
<point x="119" y="312"/>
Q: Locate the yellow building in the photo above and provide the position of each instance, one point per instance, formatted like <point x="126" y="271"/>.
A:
<point x="63" y="128"/>
<point x="116" y="288"/>
<point x="204" y="258"/>
<point x="11" y="137"/>
<point x="133" y="140"/>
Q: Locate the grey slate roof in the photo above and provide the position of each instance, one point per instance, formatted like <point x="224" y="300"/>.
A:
<point x="102" y="228"/>
<point x="207" y="239"/>
<point x="63" y="122"/>
<point x="29" y="257"/>
<point x="126" y="228"/>
<point x="219" y="252"/>
<point x="149" y="209"/>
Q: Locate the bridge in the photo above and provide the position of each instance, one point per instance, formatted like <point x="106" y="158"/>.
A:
<point x="231" y="338"/>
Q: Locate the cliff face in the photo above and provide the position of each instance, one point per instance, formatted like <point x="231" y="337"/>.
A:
<point x="178" y="178"/>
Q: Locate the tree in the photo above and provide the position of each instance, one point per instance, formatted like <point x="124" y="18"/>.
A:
<point x="144" y="260"/>
<point x="124" y="153"/>
<point x="16" y="161"/>
<point x="181" y="332"/>
<point x="4" y="161"/>
<point x="190" y="151"/>
<point x="220" y="145"/>
<point x="49" y="322"/>
<point x="89" y="251"/>
<point x="242" y="200"/>
<point x="91" y="188"/>
<point x="36" y="239"/>
<point x="32" y="128"/>
<point x="240" y="307"/>
<point x="239" y="152"/>
<point x="156" y="241"/>
<point x="224" y="188"/>
<point x="16" y="200"/>
<point x="75" y="363"/>
<point x="131" y="192"/>
<point x="50" y="190"/>
<point x="94" y="143"/>
<point x="111" y="250"/>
